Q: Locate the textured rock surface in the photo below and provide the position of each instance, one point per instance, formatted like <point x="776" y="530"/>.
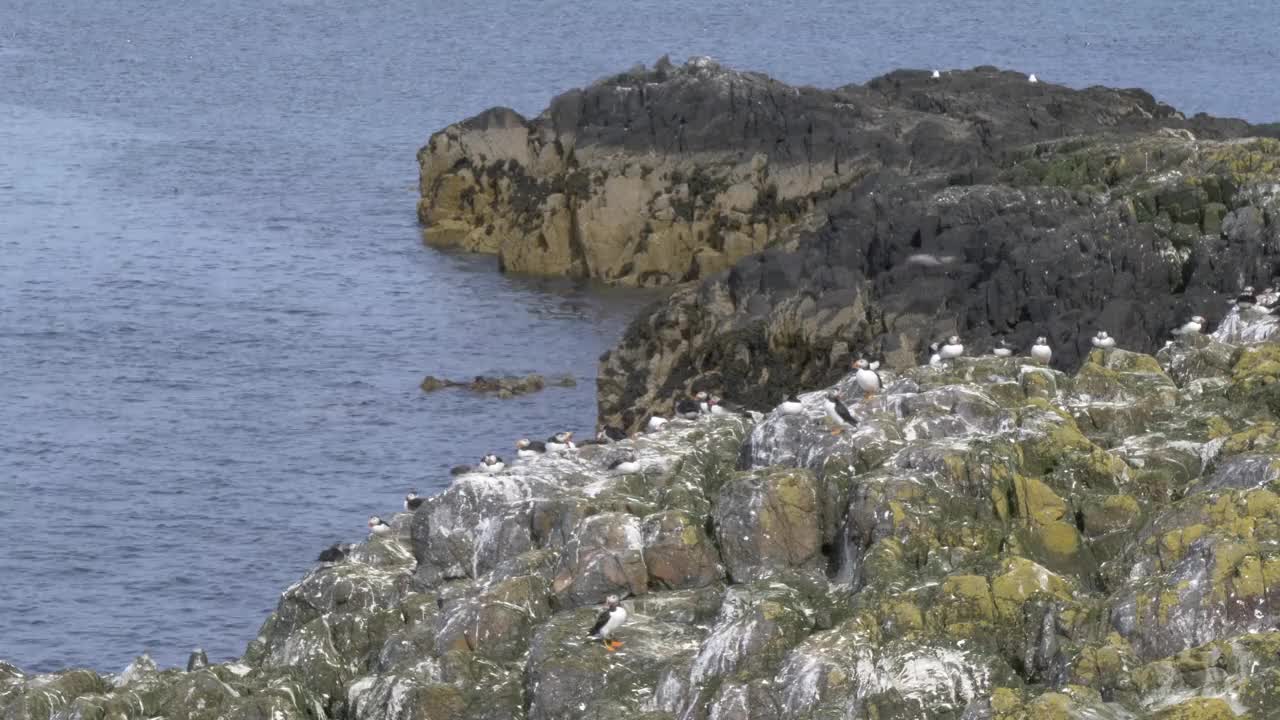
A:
<point x="982" y="205"/>
<point x="994" y="540"/>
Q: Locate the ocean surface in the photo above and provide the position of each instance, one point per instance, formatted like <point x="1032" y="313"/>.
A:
<point x="215" y="307"/>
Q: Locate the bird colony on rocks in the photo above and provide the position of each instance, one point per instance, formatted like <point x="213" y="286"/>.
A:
<point x="990" y="538"/>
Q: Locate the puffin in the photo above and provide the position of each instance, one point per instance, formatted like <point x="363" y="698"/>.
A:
<point x="1191" y="327"/>
<point x="689" y="408"/>
<point x="952" y="349"/>
<point x="1103" y="340"/>
<point x="492" y="464"/>
<point x="838" y="414"/>
<point x="607" y="622"/>
<point x="1032" y="78"/>
<point x="560" y="442"/>
<point x="935" y="75"/>
<point x="935" y="360"/>
<point x="609" y="433"/>
<point x="655" y="423"/>
<point x="332" y="554"/>
<point x="624" y="462"/>
<point x="1002" y="350"/>
<point x="1247" y="297"/>
<point x="412" y="501"/>
<point x="527" y="448"/>
<point x="1041" y="352"/>
<point x="867" y="377"/>
<point x="197" y="660"/>
<point x="792" y="405"/>
<point x="378" y="526"/>
<point x="719" y="406"/>
<point x="704" y="402"/>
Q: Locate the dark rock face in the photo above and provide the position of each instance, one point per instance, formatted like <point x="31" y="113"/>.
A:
<point x="985" y="206"/>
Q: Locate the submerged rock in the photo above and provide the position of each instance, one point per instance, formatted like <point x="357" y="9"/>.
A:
<point x="504" y="387"/>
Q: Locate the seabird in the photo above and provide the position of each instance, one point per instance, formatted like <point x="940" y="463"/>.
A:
<point x="1247" y="298"/>
<point x="935" y="360"/>
<point x="624" y="462"/>
<point x="492" y="464"/>
<point x="792" y="405"/>
<point x="334" y="553"/>
<point x="952" y="349"/>
<point x="412" y="501"/>
<point x="689" y="409"/>
<point x="609" y="433"/>
<point x="1041" y="352"/>
<point x="560" y="442"/>
<point x="704" y="402"/>
<point x="867" y="377"/>
<point x="1032" y="78"/>
<point x="378" y="526"/>
<point x="527" y="448"/>
<point x="838" y="414"/>
<point x="719" y="406"/>
<point x="656" y="423"/>
<point x="608" y="621"/>
<point x="1103" y="340"/>
<point x="935" y="75"/>
<point x="1191" y="327"/>
<point x="1002" y="349"/>
<point x="197" y="660"/>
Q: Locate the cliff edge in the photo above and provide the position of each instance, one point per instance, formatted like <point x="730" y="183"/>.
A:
<point x="995" y="540"/>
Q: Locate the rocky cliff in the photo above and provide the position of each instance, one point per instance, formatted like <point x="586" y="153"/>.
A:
<point x="995" y="540"/>
<point x="669" y="174"/>
<point x="986" y="206"/>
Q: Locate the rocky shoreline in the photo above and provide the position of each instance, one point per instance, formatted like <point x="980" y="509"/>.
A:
<point x="996" y="539"/>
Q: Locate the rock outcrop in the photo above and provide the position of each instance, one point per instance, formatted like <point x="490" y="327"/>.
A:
<point x="994" y="540"/>
<point x="1062" y="238"/>
<point x="822" y="224"/>
<point x="506" y="386"/>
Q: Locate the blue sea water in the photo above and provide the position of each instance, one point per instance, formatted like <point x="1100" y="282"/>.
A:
<point x="215" y="307"/>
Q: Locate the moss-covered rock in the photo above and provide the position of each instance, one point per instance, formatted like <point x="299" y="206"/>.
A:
<point x="768" y="520"/>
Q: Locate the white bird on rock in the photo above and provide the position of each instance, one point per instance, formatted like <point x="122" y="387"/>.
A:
<point x="792" y="405"/>
<point x="624" y="462"/>
<point x="838" y="414"/>
<point x="607" y="622"/>
<point x="378" y="526"/>
<point x="867" y="377"/>
<point x="492" y="464"/>
<point x="1103" y="340"/>
<point x="952" y="349"/>
<point x="1041" y="352"/>
<point x="1191" y="327"/>
<point x="560" y="442"/>
<point x="935" y="360"/>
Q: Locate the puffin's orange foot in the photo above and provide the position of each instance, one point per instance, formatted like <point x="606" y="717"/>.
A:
<point x="614" y="645"/>
<point x="837" y="431"/>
